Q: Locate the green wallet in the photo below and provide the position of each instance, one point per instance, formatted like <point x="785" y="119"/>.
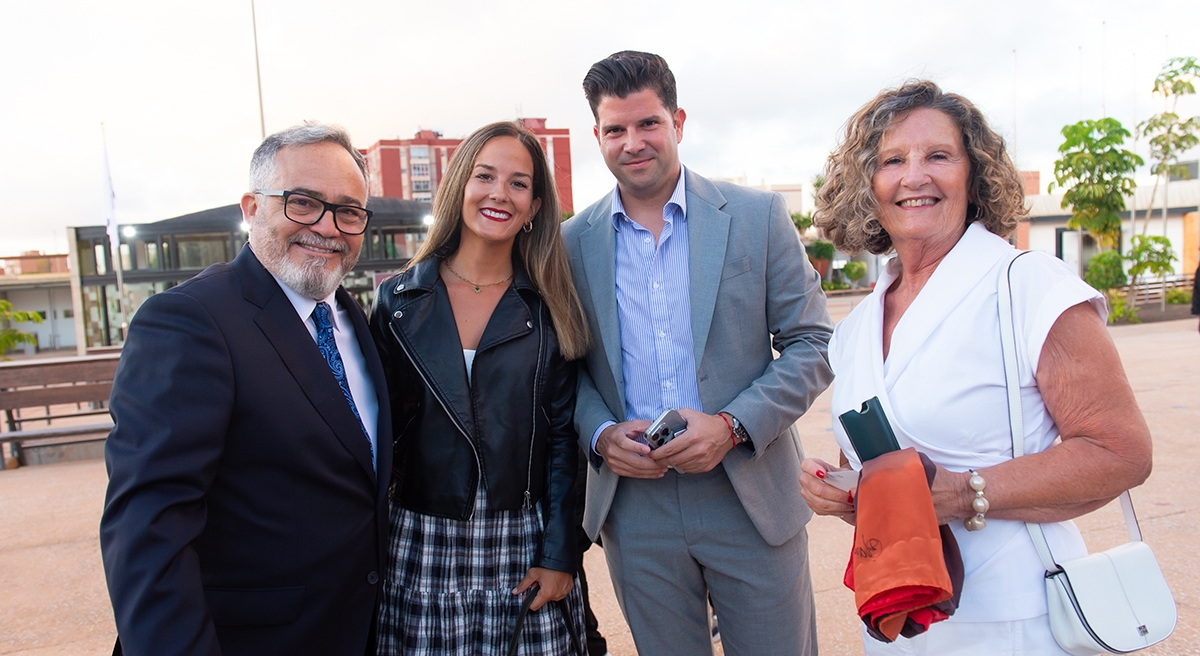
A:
<point x="869" y="430"/>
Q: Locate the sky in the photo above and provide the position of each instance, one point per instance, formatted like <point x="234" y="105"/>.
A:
<point x="767" y="85"/>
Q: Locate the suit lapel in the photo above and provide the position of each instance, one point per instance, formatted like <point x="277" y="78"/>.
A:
<point x="598" y="250"/>
<point x="708" y="235"/>
<point x="290" y="339"/>
<point x="383" y="430"/>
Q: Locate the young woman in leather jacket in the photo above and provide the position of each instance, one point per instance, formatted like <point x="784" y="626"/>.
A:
<point x="478" y="335"/>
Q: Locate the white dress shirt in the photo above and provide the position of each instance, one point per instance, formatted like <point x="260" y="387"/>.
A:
<point x="361" y="387"/>
<point x="654" y="311"/>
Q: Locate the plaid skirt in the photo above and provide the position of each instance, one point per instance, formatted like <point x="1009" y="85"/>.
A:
<point x="448" y="588"/>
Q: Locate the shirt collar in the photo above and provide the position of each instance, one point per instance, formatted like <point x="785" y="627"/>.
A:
<point x="678" y="199"/>
<point x="305" y="305"/>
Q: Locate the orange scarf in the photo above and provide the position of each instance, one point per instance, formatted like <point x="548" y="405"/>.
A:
<point x="902" y="562"/>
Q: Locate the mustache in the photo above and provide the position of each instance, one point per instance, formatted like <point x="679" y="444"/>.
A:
<point x="320" y="242"/>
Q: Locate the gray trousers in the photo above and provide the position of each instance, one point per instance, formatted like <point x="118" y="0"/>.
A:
<point x="670" y="541"/>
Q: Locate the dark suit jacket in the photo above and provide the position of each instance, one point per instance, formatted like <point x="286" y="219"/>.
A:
<point x="243" y="515"/>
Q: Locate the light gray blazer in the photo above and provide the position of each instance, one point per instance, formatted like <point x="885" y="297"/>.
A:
<point x="752" y="288"/>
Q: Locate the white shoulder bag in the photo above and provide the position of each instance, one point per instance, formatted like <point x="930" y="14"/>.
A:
<point x="1113" y="602"/>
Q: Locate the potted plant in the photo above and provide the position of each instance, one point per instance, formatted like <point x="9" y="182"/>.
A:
<point x="820" y="253"/>
<point x="854" y="271"/>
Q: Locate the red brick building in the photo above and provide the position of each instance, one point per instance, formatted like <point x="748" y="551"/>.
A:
<point x="412" y="168"/>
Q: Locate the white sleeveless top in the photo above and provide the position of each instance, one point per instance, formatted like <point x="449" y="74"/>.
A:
<point x="942" y="388"/>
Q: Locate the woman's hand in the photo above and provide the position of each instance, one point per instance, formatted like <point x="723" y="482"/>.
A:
<point x="552" y="585"/>
<point x="823" y="498"/>
<point x="951" y="495"/>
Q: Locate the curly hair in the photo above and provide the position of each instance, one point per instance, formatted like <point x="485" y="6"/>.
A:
<point x="847" y="210"/>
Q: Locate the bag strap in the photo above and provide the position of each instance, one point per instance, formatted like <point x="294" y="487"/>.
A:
<point x="516" y="635"/>
<point x="1016" y="422"/>
<point x="572" y="633"/>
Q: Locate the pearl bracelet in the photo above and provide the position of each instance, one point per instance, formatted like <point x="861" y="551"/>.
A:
<point x="978" y="504"/>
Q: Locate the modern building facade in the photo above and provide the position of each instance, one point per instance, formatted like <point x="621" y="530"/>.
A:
<point x="404" y="175"/>
<point x="1046" y="229"/>
<point x="412" y="169"/>
<point x="157" y="256"/>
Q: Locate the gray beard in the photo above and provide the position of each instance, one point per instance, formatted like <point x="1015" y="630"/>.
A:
<point x="309" y="278"/>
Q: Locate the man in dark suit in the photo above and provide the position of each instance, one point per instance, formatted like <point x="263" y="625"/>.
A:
<point x="246" y="510"/>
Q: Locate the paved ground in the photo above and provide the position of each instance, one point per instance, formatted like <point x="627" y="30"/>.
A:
<point x="53" y="599"/>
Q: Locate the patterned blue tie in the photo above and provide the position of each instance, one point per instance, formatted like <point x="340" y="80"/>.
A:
<point x="322" y="317"/>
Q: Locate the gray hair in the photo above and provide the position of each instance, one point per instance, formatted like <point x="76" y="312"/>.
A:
<point x="262" y="164"/>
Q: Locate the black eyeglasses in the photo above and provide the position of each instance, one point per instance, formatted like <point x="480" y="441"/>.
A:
<point x="306" y="210"/>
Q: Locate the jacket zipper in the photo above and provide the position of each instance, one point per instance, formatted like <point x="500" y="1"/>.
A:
<point x="451" y="415"/>
<point x="536" y="382"/>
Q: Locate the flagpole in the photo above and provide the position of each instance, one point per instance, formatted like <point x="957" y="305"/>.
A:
<point x="262" y="121"/>
<point x="114" y="236"/>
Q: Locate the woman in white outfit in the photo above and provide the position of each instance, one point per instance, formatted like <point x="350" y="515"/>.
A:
<point x="921" y="174"/>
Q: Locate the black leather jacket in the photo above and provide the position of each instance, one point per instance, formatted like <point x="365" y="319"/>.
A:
<point x="513" y="425"/>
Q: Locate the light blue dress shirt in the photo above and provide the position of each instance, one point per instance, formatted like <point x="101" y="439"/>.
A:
<point x="658" y="359"/>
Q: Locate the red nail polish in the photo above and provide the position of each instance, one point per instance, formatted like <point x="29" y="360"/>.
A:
<point x="850" y="497"/>
<point x="820" y="474"/>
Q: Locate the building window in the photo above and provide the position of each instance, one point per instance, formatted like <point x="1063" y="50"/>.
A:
<point x="418" y="152"/>
<point x="399" y="243"/>
<point x="420" y="170"/>
<point x="199" y="251"/>
<point x="423" y="198"/>
<point x="87" y="257"/>
<point x="100" y="257"/>
<point x="420" y="185"/>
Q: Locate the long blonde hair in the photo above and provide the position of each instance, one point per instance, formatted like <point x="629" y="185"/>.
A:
<point x="540" y="251"/>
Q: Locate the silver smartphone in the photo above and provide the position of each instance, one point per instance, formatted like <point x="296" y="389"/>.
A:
<point x="664" y="429"/>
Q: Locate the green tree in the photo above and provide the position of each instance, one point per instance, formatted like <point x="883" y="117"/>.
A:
<point x="1097" y="174"/>
<point x="1106" y="272"/>
<point x="1149" y="255"/>
<point x="1170" y="136"/>
<point x="11" y="337"/>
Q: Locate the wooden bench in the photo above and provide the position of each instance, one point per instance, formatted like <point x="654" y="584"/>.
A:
<point x="1153" y="289"/>
<point x="62" y="390"/>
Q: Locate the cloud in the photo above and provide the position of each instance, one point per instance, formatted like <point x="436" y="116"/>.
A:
<point x="767" y="85"/>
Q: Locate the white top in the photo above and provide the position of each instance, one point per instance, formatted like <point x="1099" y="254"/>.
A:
<point x="469" y="359"/>
<point x="361" y="387"/>
<point x="942" y="388"/>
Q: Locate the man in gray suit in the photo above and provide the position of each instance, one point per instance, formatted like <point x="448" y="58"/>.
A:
<point x="688" y="285"/>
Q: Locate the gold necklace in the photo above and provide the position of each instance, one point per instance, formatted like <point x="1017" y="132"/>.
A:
<point x="474" y="284"/>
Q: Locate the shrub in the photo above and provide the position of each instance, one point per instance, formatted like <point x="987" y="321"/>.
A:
<point x="1177" y="296"/>
<point x="1106" y="271"/>
<point x="854" y="270"/>
<point x="820" y="249"/>
<point x="1119" y="309"/>
<point x="802" y="221"/>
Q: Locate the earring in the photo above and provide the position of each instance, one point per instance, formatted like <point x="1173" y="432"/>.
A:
<point x="528" y="227"/>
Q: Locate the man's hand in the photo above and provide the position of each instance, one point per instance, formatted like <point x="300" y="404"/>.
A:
<point x="626" y="456"/>
<point x="699" y="448"/>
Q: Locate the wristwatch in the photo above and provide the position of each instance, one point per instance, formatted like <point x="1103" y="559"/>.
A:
<point x="740" y="435"/>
